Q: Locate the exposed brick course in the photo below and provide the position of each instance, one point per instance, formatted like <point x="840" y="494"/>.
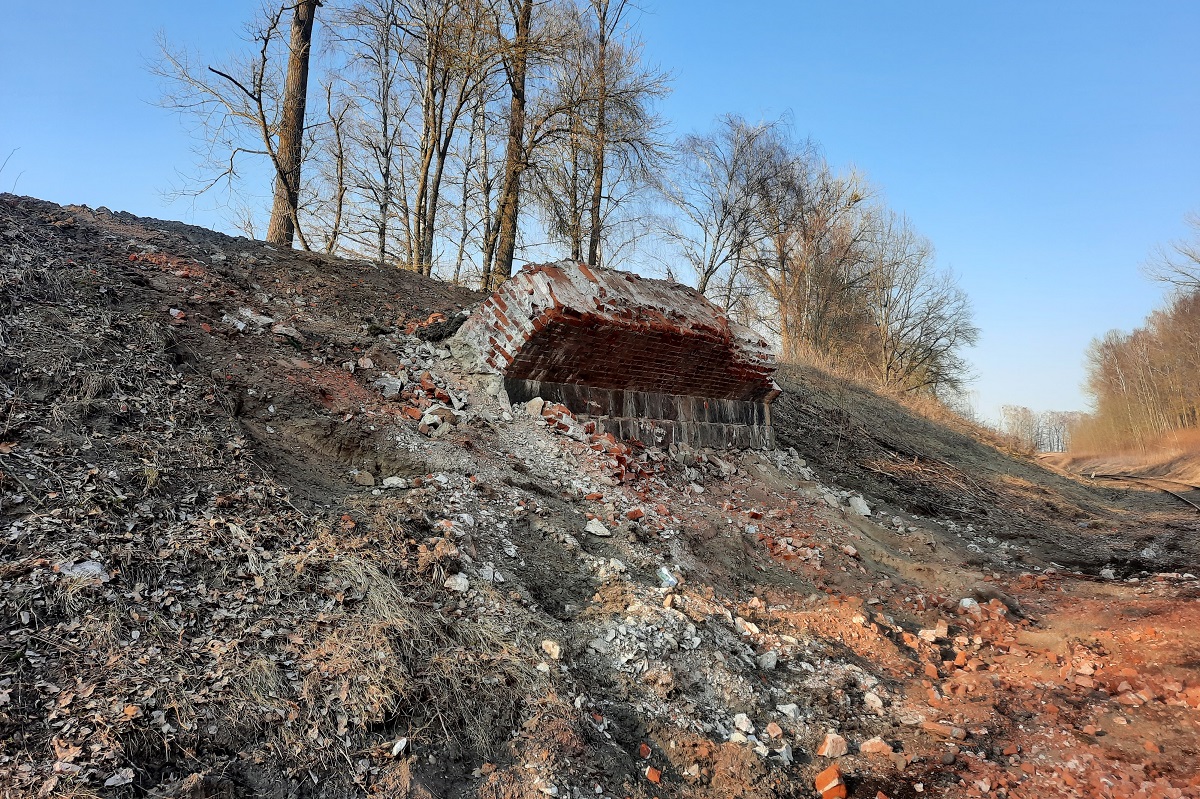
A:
<point x="625" y="349"/>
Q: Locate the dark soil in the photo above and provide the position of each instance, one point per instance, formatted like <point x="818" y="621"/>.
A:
<point x="209" y="589"/>
<point x="943" y="469"/>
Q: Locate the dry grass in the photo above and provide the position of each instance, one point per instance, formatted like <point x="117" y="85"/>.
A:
<point x="1171" y="445"/>
<point x="392" y="657"/>
<point x="1175" y="456"/>
<point x="926" y="405"/>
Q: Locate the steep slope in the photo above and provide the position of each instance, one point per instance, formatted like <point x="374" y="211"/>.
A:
<point x="264" y="536"/>
<point x="943" y="469"/>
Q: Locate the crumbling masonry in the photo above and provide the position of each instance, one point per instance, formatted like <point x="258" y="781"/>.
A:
<point x="642" y="359"/>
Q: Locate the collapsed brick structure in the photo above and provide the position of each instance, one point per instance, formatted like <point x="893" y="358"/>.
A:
<point x="643" y="359"/>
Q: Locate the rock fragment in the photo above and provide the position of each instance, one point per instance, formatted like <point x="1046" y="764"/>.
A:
<point x="792" y="711"/>
<point x="875" y="746"/>
<point x="598" y="528"/>
<point x="389" y="386"/>
<point x="834" y="745"/>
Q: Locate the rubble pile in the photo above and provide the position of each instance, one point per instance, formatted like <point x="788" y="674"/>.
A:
<point x="306" y="549"/>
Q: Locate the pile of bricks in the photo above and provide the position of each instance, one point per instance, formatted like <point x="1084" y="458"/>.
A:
<point x="625" y="461"/>
<point x="411" y="327"/>
<point x="422" y="395"/>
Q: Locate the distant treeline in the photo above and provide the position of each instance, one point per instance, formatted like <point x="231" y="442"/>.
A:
<point x="1048" y="431"/>
<point x="1145" y="385"/>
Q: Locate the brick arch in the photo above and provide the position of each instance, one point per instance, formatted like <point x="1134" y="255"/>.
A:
<point x="613" y="344"/>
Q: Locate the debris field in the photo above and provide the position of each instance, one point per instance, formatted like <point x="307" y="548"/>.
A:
<point x="265" y="533"/>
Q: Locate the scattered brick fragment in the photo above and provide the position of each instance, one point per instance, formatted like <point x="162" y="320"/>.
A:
<point x="830" y="784"/>
<point x="944" y="730"/>
<point x="875" y="746"/>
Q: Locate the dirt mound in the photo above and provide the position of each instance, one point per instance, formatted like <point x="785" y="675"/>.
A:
<point x="1010" y="507"/>
<point x="264" y="536"/>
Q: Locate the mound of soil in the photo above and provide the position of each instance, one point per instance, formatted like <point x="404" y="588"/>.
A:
<point x="949" y="469"/>
<point x="264" y="536"/>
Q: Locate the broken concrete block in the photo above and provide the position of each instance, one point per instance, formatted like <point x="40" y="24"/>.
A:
<point x="597" y="527"/>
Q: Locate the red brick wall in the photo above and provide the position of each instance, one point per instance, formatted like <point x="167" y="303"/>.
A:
<point x="568" y="323"/>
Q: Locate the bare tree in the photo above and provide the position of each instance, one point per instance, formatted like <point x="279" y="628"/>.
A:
<point x="625" y="133"/>
<point x="920" y="318"/>
<point x="514" y="21"/>
<point x="1022" y="424"/>
<point x="793" y="248"/>
<point x="1057" y="429"/>
<point x="1144" y="384"/>
<point x="808" y="253"/>
<point x="607" y="145"/>
<point x="560" y="176"/>
<point x="607" y="16"/>
<point x="450" y="55"/>
<point x="4" y="164"/>
<point x="476" y="180"/>
<point x="531" y="36"/>
<point x="1178" y="263"/>
<point x="479" y="179"/>
<point x="368" y="36"/>
<point x="710" y="189"/>
<point x="324" y="200"/>
<point x="250" y="107"/>
<point x="288" y="156"/>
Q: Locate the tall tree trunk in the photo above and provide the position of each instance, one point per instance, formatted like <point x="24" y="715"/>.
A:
<point x="576" y="213"/>
<point x="337" y="122"/>
<point x="429" y="139"/>
<point x="464" y="229"/>
<point x="431" y="206"/>
<point x="282" y="229"/>
<point x="601" y="133"/>
<point x="514" y="153"/>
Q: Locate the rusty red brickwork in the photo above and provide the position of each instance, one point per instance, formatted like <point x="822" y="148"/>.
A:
<point x="568" y="323"/>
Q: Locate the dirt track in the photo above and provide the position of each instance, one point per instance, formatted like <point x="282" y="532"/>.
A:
<point x="232" y="566"/>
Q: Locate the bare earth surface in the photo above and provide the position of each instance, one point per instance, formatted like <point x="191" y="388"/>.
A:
<point x="263" y="536"/>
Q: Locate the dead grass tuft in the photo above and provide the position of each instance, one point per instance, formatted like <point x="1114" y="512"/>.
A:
<point x="394" y="661"/>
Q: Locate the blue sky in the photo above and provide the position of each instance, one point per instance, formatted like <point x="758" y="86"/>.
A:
<point x="1045" y="148"/>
